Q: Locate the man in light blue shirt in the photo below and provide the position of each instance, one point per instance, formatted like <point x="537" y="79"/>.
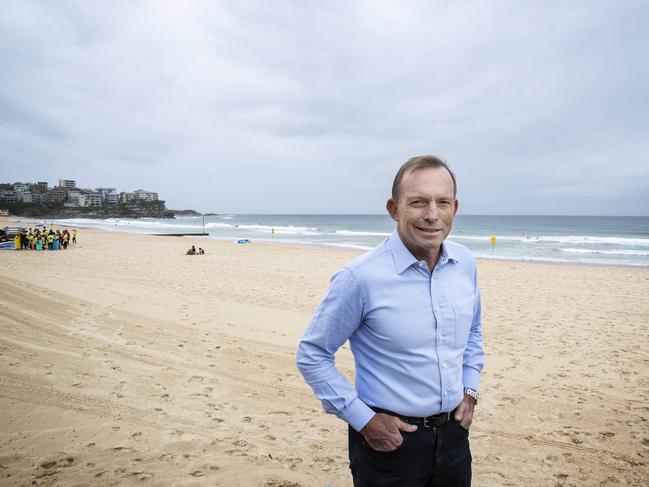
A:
<point x="410" y="309"/>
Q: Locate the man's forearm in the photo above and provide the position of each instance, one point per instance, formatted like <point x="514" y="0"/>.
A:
<point x="335" y="393"/>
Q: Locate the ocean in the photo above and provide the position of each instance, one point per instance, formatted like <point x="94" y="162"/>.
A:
<point x="569" y="239"/>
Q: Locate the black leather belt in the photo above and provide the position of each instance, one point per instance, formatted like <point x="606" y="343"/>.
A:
<point x="428" y="422"/>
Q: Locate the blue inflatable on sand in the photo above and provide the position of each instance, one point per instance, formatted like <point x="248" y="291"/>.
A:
<point x="243" y="240"/>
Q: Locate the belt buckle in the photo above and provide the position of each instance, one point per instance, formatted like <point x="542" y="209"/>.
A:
<point x="429" y="425"/>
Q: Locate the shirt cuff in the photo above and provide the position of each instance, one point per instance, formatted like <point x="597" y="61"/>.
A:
<point x="470" y="378"/>
<point x="358" y="414"/>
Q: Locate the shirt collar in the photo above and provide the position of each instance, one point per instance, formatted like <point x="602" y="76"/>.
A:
<point x="403" y="258"/>
<point x="448" y="254"/>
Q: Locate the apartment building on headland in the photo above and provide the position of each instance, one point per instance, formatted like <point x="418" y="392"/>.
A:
<point x="143" y="195"/>
<point x="67" y="183"/>
<point x="67" y="194"/>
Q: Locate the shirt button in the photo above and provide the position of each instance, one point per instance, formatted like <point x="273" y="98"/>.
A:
<point x="444" y="365"/>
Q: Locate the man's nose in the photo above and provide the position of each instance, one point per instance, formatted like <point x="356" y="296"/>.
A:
<point x="432" y="212"/>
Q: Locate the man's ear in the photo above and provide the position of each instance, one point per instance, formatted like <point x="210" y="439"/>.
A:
<point x="391" y="206"/>
<point x="457" y="205"/>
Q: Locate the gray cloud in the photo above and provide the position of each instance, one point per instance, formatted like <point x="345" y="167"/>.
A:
<point x="288" y="106"/>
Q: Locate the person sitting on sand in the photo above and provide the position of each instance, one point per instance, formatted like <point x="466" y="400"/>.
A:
<point x="192" y="251"/>
<point x="201" y="251"/>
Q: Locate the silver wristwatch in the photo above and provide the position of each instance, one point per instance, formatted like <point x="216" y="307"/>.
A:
<point x="472" y="392"/>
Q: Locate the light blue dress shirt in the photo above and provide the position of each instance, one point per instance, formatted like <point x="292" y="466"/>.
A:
<point x="416" y="336"/>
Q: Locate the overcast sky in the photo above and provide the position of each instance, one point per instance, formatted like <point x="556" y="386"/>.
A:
<point x="287" y="106"/>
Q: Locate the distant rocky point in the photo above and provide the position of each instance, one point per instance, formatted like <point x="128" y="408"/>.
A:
<point x="185" y="212"/>
<point x="192" y="213"/>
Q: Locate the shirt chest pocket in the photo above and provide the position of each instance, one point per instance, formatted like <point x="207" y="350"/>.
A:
<point x="463" y="311"/>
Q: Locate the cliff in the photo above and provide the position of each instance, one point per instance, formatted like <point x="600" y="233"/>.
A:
<point x="140" y="209"/>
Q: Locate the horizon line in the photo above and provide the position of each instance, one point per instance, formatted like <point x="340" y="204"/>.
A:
<point x="385" y="214"/>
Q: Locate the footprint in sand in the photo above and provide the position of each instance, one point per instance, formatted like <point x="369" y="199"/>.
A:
<point x="120" y="448"/>
<point x="141" y="475"/>
<point x="281" y="483"/>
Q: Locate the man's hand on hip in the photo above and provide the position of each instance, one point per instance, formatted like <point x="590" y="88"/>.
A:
<point x="383" y="432"/>
<point x="463" y="414"/>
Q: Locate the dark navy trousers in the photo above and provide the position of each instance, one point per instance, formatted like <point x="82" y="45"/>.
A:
<point x="429" y="457"/>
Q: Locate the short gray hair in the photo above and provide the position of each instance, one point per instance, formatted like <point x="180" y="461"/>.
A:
<point x="416" y="163"/>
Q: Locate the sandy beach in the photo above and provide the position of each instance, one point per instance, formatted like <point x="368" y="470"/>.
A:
<point x="124" y="361"/>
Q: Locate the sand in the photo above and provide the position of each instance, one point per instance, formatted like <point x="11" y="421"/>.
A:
<point x="124" y="361"/>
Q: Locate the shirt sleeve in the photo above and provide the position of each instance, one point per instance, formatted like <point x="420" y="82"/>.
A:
<point x="473" y="360"/>
<point x="339" y="315"/>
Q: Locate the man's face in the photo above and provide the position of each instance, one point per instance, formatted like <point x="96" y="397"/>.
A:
<point x="425" y="210"/>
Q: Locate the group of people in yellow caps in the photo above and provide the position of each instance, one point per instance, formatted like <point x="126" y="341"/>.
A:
<point x="45" y="239"/>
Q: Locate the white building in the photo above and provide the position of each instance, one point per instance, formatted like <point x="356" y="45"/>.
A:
<point x="125" y="197"/>
<point x="25" y="196"/>
<point x="90" y="198"/>
<point x="143" y="195"/>
<point x="108" y="195"/>
<point x="67" y="183"/>
<point x="20" y="187"/>
<point x="94" y="199"/>
<point x="74" y="198"/>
